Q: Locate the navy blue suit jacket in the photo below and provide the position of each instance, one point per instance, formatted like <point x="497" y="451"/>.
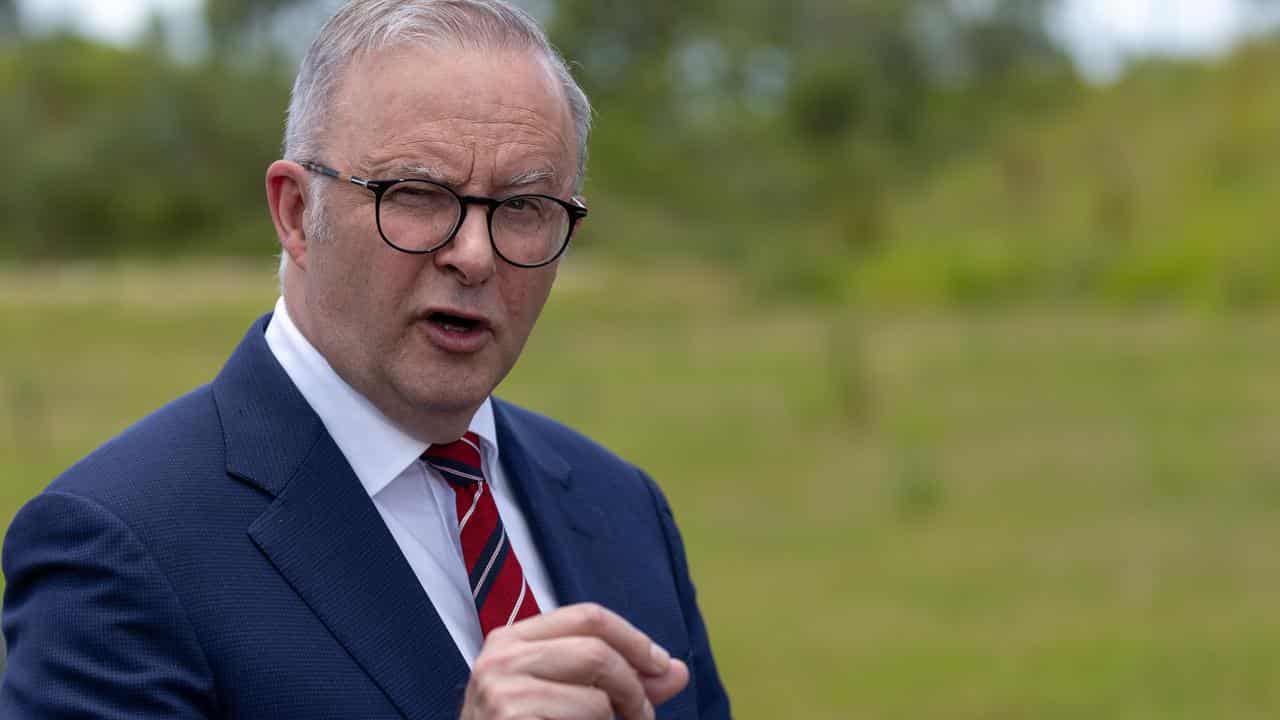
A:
<point x="221" y="560"/>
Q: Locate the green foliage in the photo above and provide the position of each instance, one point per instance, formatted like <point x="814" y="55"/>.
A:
<point x="773" y="142"/>
<point x="1157" y="190"/>
<point x="833" y="151"/>
<point x="8" y="18"/>
<point x="114" y="152"/>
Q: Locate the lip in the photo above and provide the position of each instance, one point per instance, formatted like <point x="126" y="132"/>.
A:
<point x="453" y="341"/>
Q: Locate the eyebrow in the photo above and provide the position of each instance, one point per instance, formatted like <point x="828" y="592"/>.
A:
<point x="531" y="177"/>
<point x="519" y="180"/>
<point x="422" y="171"/>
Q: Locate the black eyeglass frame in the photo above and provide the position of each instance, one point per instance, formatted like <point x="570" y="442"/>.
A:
<point x="380" y="188"/>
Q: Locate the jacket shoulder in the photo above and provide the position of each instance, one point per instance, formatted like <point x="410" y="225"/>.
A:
<point x="151" y="459"/>
<point x="567" y="441"/>
<point x="599" y="474"/>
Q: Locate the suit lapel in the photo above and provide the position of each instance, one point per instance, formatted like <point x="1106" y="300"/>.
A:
<point x="570" y="528"/>
<point x="325" y="537"/>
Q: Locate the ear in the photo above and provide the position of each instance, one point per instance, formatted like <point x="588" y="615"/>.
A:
<point x="287" y="199"/>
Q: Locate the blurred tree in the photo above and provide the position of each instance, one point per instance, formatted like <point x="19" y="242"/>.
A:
<point x="236" y="24"/>
<point x="172" y="141"/>
<point x="789" y="139"/>
<point x="8" y="19"/>
<point x="706" y="77"/>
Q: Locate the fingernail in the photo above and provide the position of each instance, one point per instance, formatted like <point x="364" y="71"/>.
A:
<point x="661" y="658"/>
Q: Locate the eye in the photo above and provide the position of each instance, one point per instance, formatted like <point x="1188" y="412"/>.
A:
<point x="419" y="195"/>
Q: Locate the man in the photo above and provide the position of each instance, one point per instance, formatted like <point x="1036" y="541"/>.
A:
<point x="344" y="523"/>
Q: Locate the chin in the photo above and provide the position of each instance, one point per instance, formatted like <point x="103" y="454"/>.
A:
<point x="447" y="398"/>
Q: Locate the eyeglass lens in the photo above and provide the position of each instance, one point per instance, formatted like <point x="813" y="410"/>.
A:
<point x="420" y="216"/>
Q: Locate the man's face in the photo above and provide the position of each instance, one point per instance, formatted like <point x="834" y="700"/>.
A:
<point x="491" y="124"/>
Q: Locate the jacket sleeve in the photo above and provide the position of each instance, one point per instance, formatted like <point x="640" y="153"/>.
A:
<point x="712" y="701"/>
<point x="93" y="625"/>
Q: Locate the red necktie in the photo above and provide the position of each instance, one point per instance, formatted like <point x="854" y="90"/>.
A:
<point x="498" y="586"/>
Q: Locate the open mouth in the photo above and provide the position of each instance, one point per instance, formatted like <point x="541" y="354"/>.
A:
<point x="455" y="323"/>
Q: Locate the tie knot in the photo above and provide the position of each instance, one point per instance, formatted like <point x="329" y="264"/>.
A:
<point x="457" y="461"/>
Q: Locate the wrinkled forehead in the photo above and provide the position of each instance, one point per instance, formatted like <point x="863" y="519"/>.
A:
<point x="414" y="94"/>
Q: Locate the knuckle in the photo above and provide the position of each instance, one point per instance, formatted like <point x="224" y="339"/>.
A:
<point x="485" y="666"/>
<point x="508" y="699"/>
<point x="616" y="665"/>
<point x="486" y="691"/>
<point x="497" y="699"/>
<point x="505" y="711"/>
<point x="594" y="617"/>
<point x="598" y="654"/>
<point x="615" y="676"/>
<point x="599" y="705"/>
<point x="500" y="636"/>
<point x="493" y="661"/>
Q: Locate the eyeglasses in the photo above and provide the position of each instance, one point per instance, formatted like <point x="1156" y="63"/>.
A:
<point x="419" y="216"/>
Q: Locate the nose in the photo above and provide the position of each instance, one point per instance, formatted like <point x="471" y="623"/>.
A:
<point x="469" y="256"/>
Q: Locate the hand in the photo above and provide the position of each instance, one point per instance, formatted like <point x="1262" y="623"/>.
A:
<point x="580" y="662"/>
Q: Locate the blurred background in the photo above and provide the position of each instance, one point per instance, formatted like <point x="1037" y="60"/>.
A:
<point x="949" y="326"/>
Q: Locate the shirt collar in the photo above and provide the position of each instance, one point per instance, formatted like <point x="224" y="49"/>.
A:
<point x="377" y="449"/>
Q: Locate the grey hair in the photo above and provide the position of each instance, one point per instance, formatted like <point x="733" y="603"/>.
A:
<point x="362" y="27"/>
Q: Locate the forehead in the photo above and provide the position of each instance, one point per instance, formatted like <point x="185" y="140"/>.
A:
<point x="461" y="112"/>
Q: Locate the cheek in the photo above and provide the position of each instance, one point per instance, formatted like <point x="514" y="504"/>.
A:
<point x="360" y="286"/>
<point x="380" y="277"/>
<point x="526" y="295"/>
<point x="343" y="278"/>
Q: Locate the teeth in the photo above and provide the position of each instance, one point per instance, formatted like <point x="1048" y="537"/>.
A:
<point x="453" y="324"/>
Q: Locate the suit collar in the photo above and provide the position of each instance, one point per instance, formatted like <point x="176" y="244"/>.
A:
<point x="255" y="400"/>
<point x="568" y="524"/>
<point x="526" y="448"/>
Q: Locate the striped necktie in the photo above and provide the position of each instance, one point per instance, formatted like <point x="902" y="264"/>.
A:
<point x="498" y="586"/>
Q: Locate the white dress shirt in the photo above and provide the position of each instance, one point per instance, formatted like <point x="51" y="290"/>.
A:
<point x="416" y="504"/>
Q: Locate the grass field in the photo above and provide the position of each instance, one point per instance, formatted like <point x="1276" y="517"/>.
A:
<point x="1035" y="513"/>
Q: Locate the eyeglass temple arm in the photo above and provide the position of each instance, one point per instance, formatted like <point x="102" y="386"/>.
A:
<point x="327" y="171"/>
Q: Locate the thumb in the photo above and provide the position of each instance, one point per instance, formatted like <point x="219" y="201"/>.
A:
<point x="661" y="688"/>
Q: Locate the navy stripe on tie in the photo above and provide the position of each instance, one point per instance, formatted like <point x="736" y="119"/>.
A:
<point x="482" y="562"/>
<point x="493" y="573"/>
<point x="448" y="467"/>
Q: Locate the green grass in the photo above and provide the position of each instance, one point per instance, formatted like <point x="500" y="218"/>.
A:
<point x="1051" y="512"/>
